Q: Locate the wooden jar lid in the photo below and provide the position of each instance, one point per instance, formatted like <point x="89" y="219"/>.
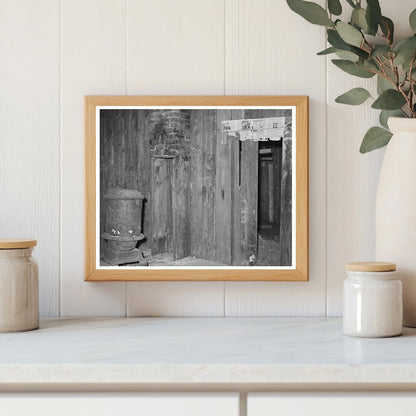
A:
<point x="11" y="243"/>
<point x="371" y="266"/>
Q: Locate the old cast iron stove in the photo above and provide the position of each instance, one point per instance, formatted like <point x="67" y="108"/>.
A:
<point x="123" y="226"/>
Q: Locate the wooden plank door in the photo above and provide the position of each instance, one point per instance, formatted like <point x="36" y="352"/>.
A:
<point x="249" y="201"/>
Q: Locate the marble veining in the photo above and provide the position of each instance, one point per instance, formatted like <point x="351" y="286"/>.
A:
<point x="203" y="350"/>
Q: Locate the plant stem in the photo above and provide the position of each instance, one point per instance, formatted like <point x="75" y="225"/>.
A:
<point x="412" y="86"/>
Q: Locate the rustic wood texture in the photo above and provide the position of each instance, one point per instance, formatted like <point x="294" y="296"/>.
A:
<point x="203" y="174"/>
<point x="125" y="159"/>
<point x="249" y="201"/>
<point x="236" y="235"/>
<point x="143" y="176"/>
<point x="224" y="192"/>
<point x="286" y="209"/>
<point x="162" y="219"/>
<point x="180" y="206"/>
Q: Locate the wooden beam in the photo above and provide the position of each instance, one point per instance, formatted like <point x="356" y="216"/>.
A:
<point x="203" y="179"/>
<point x="286" y="204"/>
<point x="180" y="206"/>
<point x="144" y="180"/>
<point x="236" y="253"/>
<point x="223" y="192"/>
<point x="162" y="227"/>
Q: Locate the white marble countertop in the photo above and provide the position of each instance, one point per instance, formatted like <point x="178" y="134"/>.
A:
<point x="204" y="351"/>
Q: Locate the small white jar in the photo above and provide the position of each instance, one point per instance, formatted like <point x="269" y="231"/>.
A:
<point x="19" y="286"/>
<point x="373" y="305"/>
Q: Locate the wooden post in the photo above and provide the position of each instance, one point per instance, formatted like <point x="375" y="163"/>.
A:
<point x="180" y="206"/>
<point x="277" y="191"/>
<point x="236" y="252"/>
<point x="223" y="193"/>
<point x="286" y="204"/>
<point x="162" y="227"/>
<point x="131" y="153"/>
<point x="203" y="173"/>
<point x="106" y="143"/>
<point x="249" y="201"/>
<point x="120" y="148"/>
<point x="144" y="175"/>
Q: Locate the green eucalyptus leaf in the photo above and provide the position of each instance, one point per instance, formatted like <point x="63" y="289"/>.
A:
<point x="350" y="56"/>
<point x="352" y="68"/>
<point x="386" y="114"/>
<point x="412" y="20"/>
<point x="383" y="84"/>
<point x="311" y="12"/>
<point x="405" y="50"/>
<point x="349" y="34"/>
<point x="373" y="15"/>
<point x="370" y="65"/>
<point x="381" y="50"/>
<point x="327" y="51"/>
<point x="389" y="100"/>
<point x="358" y="18"/>
<point x="336" y="41"/>
<point x="334" y="7"/>
<point x="347" y="55"/>
<point x="356" y="96"/>
<point x="387" y="27"/>
<point x="375" y="138"/>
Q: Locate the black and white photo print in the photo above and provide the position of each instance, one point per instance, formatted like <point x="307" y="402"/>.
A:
<point x="193" y="187"/>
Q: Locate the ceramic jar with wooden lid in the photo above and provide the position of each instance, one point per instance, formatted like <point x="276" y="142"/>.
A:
<point x="19" y="286"/>
<point x="372" y="300"/>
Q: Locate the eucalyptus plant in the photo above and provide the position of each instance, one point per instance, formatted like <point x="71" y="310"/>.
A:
<point x="365" y="47"/>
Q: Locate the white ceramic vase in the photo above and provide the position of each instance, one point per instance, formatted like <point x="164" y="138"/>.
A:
<point x="396" y="210"/>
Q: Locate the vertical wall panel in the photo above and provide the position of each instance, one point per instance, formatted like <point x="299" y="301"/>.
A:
<point x="93" y="61"/>
<point x="224" y="193"/>
<point x="29" y="135"/>
<point x="175" y="47"/>
<point x="352" y="177"/>
<point x="162" y="225"/>
<point x="203" y="174"/>
<point x="270" y="50"/>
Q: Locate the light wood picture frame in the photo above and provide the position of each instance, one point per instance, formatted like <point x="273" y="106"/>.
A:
<point x="196" y="188"/>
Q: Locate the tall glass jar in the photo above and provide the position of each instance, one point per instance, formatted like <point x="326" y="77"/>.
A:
<point x="372" y="300"/>
<point x="19" y="286"/>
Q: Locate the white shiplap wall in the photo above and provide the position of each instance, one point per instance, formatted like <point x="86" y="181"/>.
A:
<point x="54" y="52"/>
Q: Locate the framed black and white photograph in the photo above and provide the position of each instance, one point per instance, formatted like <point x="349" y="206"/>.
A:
<point x="196" y="188"/>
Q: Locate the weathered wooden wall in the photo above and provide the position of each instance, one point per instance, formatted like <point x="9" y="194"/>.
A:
<point x="204" y="203"/>
<point x="202" y="184"/>
<point x="125" y="158"/>
<point x="161" y="229"/>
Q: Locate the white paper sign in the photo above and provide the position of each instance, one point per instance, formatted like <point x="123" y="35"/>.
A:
<point x="261" y="129"/>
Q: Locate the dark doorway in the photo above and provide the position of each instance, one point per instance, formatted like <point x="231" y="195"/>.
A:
<point x="270" y="166"/>
<point x="269" y="201"/>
